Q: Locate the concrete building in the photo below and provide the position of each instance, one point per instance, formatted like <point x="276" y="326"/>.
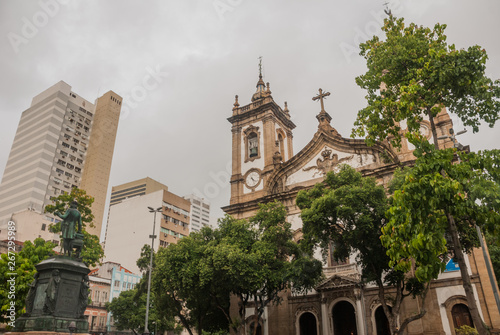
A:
<point x="265" y="169"/>
<point x="95" y="178"/>
<point x="49" y="152"/>
<point x="200" y="212"/>
<point x="130" y="223"/>
<point x="106" y="283"/>
<point x="31" y="225"/>
<point x="96" y="310"/>
<point x="135" y="188"/>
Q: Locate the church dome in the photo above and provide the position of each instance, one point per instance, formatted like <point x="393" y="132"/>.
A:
<point x="261" y="90"/>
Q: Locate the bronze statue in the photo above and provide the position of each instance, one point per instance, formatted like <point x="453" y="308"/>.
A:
<point x="83" y="297"/>
<point x="51" y="293"/>
<point x="71" y="218"/>
<point x="30" y="298"/>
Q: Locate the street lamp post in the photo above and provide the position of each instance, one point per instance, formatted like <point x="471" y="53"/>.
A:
<point x="152" y="237"/>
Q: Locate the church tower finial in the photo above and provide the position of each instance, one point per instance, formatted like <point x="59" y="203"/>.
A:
<point x="260" y="67"/>
<point x="261" y="87"/>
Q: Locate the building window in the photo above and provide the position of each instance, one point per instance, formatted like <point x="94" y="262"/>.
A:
<point x="44" y="226"/>
<point x="117" y="283"/>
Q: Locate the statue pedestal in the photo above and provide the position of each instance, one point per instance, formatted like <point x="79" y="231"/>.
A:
<point x="59" y="297"/>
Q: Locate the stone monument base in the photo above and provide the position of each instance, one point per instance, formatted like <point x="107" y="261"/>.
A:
<point x="39" y="333"/>
<point x="49" y="324"/>
<point x="57" y="297"/>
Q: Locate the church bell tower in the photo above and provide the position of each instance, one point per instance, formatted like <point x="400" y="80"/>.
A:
<point x="262" y="140"/>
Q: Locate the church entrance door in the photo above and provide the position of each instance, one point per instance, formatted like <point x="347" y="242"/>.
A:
<point x="307" y="324"/>
<point x="382" y="322"/>
<point x="344" y="319"/>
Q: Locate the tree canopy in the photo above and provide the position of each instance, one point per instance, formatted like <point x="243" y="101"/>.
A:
<point x="21" y="267"/>
<point x="129" y="313"/>
<point x="434" y="188"/>
<point x="347" y="211"/>
<point x="254" y="260"/>
<point x="129" y="308"/>
<point x="413" y="73"/>
<point x="420" y="74"/>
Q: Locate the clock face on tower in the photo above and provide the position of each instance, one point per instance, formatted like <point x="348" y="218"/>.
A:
<point x="252" y="179"/>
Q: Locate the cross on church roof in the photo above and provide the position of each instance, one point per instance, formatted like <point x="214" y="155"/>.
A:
<point x="321" y="96"/>
<point x="260" y="66"/>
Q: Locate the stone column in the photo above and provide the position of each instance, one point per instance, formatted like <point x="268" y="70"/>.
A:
<point x="324" y="317"/>
<point x="360" y="315"/>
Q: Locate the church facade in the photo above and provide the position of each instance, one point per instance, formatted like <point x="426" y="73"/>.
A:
<point x="265" y="168"/>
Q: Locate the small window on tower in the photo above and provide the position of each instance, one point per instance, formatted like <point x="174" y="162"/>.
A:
<point x="253" y="145"/>
<point x="251" y="139"/>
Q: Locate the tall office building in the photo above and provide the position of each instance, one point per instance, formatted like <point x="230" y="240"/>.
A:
<point x="48" y="154"/>
<point x="97" y="167"/>
<point x="200" y="212"/>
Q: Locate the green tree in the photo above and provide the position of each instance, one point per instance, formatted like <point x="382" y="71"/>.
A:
<point x="19" y="268"/>
<point x="129" y="308"/>
<point x="92" y="251"/>
<point x="348" y="210"/>
<point x="259" y="259"/>
<point x="185" y="287"/>
<point x="129" y="313"/>
<point x="420" y="74"/>
<point x="494" y="251"/>
<point x="254" y="260"/>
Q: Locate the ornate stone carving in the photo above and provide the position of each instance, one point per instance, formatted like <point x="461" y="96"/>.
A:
<point x="336" y="281"/>
<point x="328" y="163"/>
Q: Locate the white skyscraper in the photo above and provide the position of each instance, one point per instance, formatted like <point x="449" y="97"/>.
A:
<point x="47" y="157"/>
<point x="48" y="152"/>
<point x="200" y="212"/>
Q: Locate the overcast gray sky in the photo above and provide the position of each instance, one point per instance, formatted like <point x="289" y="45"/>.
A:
<point x="174" y="128"/>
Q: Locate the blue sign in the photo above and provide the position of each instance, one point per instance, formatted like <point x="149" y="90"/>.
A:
<point x="451" y="266"/>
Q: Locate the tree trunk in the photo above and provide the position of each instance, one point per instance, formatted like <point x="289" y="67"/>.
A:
<point x="433" y="128"/>
<point x="241" y="312"/>
<point x="459" y="255"/>
<point x="256" y="316"/>
<point x="393" y="321"/>
<point x="407" y="321"/>
<point x="469" y="293"/>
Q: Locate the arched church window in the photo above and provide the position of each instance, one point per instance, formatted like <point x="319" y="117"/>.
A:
<point x="253" y="145"/>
